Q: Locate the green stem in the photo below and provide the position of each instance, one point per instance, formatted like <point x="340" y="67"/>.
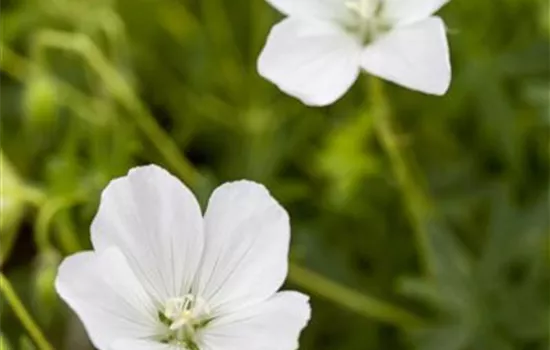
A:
<point x="358" y="302"/>
<point x="33" y="195"/>
<point x="45" y="216"/>
<point x="122" y="91"/>
<point x="415" y="198"/>
<point x="25" y="193"/>
<point x="20" y="68"/>
<point x="23" y="315"/>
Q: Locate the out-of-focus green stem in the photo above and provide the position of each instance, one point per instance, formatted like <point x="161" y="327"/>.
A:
<point x="19" y="68"/>
<point x="67" y="239"/>
<point x="122" y="91"/>
<point x="26" y="193"/>
<point x="358" y="302"/>
<point x="45" y="216"/>
<point x="32" y="195"/>
<point x="415" y="199"/>
<point x="23" y="315"/>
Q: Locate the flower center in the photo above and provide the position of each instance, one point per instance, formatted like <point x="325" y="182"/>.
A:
<point x="184" y="316"/>
<point x="367" y="23"/>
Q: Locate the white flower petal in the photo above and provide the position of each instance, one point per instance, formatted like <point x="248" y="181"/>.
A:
<point x="272" y="325"/>
<point x="415" y="56"/>
<point x="157" y="223"/>
<point x="402" y="12"/>
<point x="246" y="249"/>
<point x="106" y="295"/>
<point x="313" y="9"/>
<point x="138" y="344"/>
<point x="314" y="61"/>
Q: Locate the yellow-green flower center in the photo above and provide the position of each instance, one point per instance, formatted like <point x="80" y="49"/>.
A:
<point x="184" y="316"/>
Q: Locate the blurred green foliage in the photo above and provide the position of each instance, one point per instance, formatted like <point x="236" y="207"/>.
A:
<point x="89" y="88"/>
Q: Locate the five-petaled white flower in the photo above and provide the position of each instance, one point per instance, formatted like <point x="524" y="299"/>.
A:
<point x="318" y="51"/>
<point x="162" y="276"/>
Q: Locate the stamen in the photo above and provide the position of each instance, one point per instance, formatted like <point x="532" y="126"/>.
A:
<point x="367" y="23"/>
<point x="184" y="316"/>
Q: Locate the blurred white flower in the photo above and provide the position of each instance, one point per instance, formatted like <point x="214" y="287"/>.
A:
<point x="163" y="277"/>
<point x="318" y="51"/>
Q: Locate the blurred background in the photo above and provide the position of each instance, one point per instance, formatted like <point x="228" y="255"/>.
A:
<point x="90" y="89"/>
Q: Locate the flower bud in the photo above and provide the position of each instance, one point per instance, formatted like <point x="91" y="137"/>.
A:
<point x="40" y="101"/>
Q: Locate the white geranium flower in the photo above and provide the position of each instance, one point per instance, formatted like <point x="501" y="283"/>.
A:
<point x="318" y="51"/>
<point x="162" y="276"/>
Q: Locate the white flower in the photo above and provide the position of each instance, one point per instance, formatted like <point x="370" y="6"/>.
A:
<point x="318" y="51"/>
<point x="163" y="277"/>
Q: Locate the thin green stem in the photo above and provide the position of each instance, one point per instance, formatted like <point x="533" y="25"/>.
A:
<point x="11" y="185"/>
<point x="23" y="315"/>
<point x="65" y="229"/>
<point x="20" y="68"/>
<point x="122" y="91"/>
<point x="415" y="199"/>
<point x="355" y="301"/>
<point x="25" y="193"/>
<point x="45" y="216"/>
